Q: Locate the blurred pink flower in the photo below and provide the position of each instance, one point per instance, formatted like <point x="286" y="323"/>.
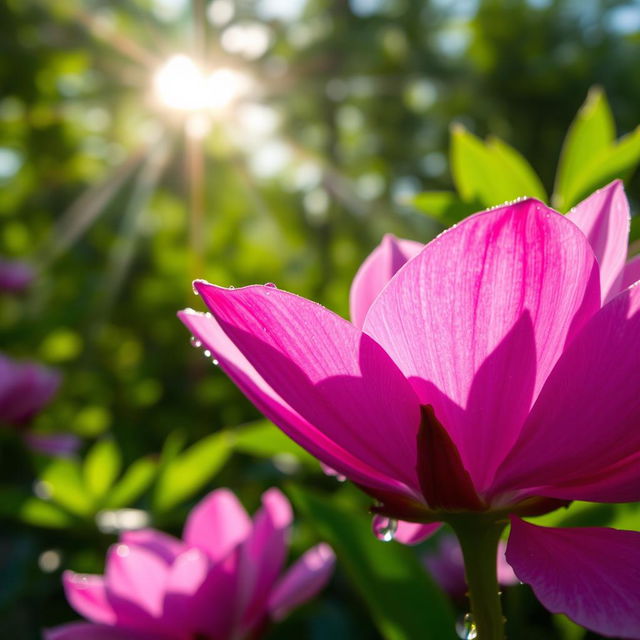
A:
<point x="487" y="378"/>
<point x="446" y="565"/>
<point x="223" y="581"/>
<point x="25" y="389"/>
<point x="15" y="276"/>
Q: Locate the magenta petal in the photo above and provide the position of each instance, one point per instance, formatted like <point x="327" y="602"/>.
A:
<point x="217" y="524"/>
<point x="604" y="218"/>
<point x="581" y="440"/>
<point x="327" y="385"/>
<point x="413" y="532"/>
<point x="263" y="554"/>
<point x="84" y="631"/>
<point x="589" y="574"/>
<point x="478" y="319"/>
<point x="374" y="273"/>
<point x="160" y="544"/>
<point x="631" y="273"/>
<point x="302" y="581"/>
<point x="87" y="595"/>
<point x="135" y="578"/>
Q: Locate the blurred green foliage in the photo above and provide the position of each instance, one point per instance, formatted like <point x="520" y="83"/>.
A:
<point x="343" y="137"/>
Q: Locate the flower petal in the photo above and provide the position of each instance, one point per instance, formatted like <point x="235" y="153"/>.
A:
<point x="581" y="438"/>
<point x="217" y="524"/>
<point x="414" y="532"/>
<point x="604" y="218"/>
<point x="302" y="581"/>
<point x="84" y="631"/>
<point x="374" y="273"/>
<point x="589" y="574"/>
<point x="349" y="404"/>
<point x="161" y="544"/>
<point x="478" y="319"/>
<point x="87" y="595"/>
<point x="631" y="273"/>
<point x="263" y="554"/>
<point x="135" y="579"/>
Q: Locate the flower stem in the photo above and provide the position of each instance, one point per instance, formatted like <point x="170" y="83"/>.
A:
<point x="479" y="543"/>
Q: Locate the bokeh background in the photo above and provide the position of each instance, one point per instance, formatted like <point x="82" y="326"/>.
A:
<point x="331" y="116"/>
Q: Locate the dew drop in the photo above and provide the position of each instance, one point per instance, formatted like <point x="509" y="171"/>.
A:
<point x="231" y="287"/>
<point x="385" y="528"/>
<point x="340" y="478"/>
<point x="215" y="362"/>
<point x="466" y="627"/>
<point x="270" y="284"/>
<point x="195" y="342"/>
<point x="207" y="353"/>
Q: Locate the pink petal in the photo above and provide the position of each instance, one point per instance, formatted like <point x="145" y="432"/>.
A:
<point x="87" y="595"/>
<point x="160" y="544"/>
<point x="414" y="532"/>
<point x="590" y="574"/>
<point x="364" y="414"/>
<point x="376" y="271"/>
<point x="217" y="524"/>
<point x="302" y="581"/>
<point x="631" y="273"/>
<point x="478" y="319"/>
<point x="62" y="445"/>
<point x="135" y="580"/>
<point x="15" y="276"/>
<point x="604" y="218"/>
<point x="83" y="631"/>
<point x="263" y="554"/>
<point x="582" y="435"/>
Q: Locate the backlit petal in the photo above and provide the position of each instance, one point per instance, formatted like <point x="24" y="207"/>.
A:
<point x="589" y="574"/>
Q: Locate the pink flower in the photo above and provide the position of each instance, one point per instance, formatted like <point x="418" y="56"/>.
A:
<point x="487" y="379"/>
<point x="221" y="582"/>
<point x="15" y="276"/>
<point x="25" y="389"/>
<point x="446" y="565"/>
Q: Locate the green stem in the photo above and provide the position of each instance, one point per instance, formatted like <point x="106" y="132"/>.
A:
<point x="479" y="543"/>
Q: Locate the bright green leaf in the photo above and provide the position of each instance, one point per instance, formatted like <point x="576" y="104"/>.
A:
<point x="20" y="505"/>
<point x="591" y="133"/>
<point x="187" y="473"/>
<point x="262" y="438"/>
<point x="403" y="601"/>
<point x="64" y="481"/>
<point x="444" y="206"/>
<point x="135" y="481"/>
<point x="492" y="172"/>
<point x="101" y="467"/>
<point x="516" y="170"/>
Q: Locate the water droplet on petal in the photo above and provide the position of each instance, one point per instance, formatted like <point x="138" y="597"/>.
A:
<point x="122" y="550"/>
<point x="385" y="528"/>
<point x="270" y="284"/>
<point x="466" y="628"/>
<point x="340" y="477"/>
<point x="215" y="362"/>
<point x="195" y="342"/>
<point x="207" y="353"/>
<point x="231" y="287"/>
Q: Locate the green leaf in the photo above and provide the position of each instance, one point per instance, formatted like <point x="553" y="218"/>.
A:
<point x="135" y="481"/>
<point x="491" y="172"/>
<point x="184" y="475"/>
<point x="403" y="601"/>
<point x="617" y="161"/>
<point x="20" y="505"/>
<point x="568" y="629"/>
<point x="101" y="467"/>
<point x="263" y="439"/>
<point x="65" y="483"/>
<point x="516" y="170"/>
<point x="591" y="133"/>
<point x="444" y="206"/>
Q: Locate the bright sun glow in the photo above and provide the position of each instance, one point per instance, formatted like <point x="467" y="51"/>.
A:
<point x="180" y="84"/>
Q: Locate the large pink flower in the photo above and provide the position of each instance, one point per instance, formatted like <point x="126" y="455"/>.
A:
<point x="487" y="379"/>
<point x="223" y="581"/>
